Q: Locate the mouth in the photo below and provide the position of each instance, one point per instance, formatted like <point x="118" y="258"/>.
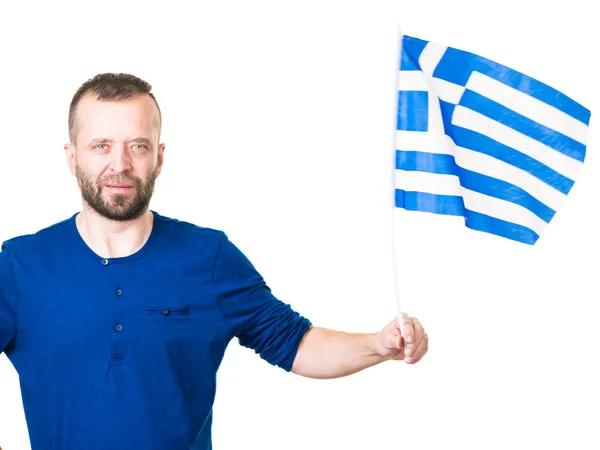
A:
<point x="119" y="187"/>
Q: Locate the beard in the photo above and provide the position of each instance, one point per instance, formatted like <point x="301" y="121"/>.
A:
<point x="118" y="207"/>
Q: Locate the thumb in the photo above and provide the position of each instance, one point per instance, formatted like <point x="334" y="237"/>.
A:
<point x="397" y="332"/>
<point x="394" y="339"/>
<point x="401" y="342"/>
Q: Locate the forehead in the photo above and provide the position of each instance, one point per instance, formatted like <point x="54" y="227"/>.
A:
<point x="116" y="119"/>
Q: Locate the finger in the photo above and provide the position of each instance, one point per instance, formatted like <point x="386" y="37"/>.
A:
<point x="394" y="335"/>
<point x="419" y="331"/>
<point x="399" y="343"/>
<point x="392" y="341"/>
<point x="409" y="332"/>
<point x="419" y="352"/>
<point x="422" y="350"/>
<point x="390" y="337"/>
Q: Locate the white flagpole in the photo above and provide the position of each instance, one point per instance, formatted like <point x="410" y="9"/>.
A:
<point x="396" y="211"/>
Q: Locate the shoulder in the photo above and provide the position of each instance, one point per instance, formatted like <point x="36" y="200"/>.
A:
<point x="188" y="233"/>
<point x="185" y="237"/>
<point x="39" y="239"/>
<point x="186" y="227"/>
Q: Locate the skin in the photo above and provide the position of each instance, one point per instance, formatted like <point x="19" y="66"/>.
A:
<point x="326" y="353"/>
<point x="116" y="223"/>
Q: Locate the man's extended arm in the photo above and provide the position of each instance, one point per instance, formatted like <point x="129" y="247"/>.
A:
<point x="326" y="353"/>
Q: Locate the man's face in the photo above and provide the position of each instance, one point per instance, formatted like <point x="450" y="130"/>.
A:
<point x="117" y="158"/>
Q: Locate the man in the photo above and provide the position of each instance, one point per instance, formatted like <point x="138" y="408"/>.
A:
<point x="117" y="318"/>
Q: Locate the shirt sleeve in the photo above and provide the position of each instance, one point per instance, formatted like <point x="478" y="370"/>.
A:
<point x="8" y="316"/>
<point x="260" y="321"/>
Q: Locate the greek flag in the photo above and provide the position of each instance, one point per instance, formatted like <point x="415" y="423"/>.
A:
<point x="483" y="141"/>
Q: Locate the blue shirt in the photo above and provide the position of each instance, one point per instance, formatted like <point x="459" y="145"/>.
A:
<point x="122" y="353"/>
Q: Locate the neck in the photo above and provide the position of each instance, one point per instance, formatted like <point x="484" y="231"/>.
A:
<point x="113" y="239"/>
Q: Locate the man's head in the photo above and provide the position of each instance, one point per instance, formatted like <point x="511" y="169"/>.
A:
<point x="114" y="129"/>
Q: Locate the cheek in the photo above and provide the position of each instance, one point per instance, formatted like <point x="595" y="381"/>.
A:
<point x="89" y="176"/>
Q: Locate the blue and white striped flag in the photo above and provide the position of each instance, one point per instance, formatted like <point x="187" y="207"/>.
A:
<point x="483" y="141"/>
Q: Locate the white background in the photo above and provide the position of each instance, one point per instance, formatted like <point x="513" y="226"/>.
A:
<point x="279" y="123"/>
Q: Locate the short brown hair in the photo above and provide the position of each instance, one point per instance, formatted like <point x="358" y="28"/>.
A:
<point x="108" y="86"/>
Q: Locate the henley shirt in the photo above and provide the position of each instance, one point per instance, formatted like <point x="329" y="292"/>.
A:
<point x="122" y="353"/>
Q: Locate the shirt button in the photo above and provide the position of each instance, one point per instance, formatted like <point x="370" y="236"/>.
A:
<point x="105" y="262"/>
<point x="119" y="328"/>
<point x="165" y="312"/>
<point x="119" y="292"/>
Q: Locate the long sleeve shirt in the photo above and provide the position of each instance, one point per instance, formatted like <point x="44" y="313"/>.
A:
<point x="122" y="353"/>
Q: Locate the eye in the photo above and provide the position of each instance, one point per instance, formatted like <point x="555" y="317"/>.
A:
<point x="142" y="146"/>
<point x="100" y="145"/>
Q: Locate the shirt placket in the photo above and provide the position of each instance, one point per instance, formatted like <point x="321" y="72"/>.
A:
<point x="118" y="329"/>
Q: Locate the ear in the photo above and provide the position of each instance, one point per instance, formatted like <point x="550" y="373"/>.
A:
<point x="71" y="155"/>
<point x="161" y="155"/>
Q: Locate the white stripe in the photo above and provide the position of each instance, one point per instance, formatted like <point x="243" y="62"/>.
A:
<point x="412" y="80"/>
<point x="430" y="57"/>
<point x="480" y="163"/>
<point x="501" y="209"/>
<point x="449" y="92"/>
<point x="416" y="80"/>
<point x="424" y="142"/>
<point x="474" y="121"/>
<point x="449" y="185"/>
<point x="435" y="122"/>
<point x="432" y="183"/>
<point x="490" y="166"/>
<point x="528" y="106"/>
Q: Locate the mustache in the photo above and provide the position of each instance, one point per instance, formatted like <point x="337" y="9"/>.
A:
<point x="131" y="181"/>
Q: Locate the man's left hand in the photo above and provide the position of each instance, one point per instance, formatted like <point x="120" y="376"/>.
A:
<point x="390" y="343"/>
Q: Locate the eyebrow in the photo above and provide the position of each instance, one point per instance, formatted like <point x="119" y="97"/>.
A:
<point x="143" y="140"/>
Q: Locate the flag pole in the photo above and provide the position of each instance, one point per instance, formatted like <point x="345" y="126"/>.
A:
<point x="393" y="190"/>
<point x="395" y="267"/>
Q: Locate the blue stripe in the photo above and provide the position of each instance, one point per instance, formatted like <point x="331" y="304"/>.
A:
<point x="472" y="140"/>
<point x="413" y="108"/>
<point x="426" y="162"/>
<point x="456" y="67"/>
<point x="411" y="50"/>
<point x="505" y="191"/>
<point x="516" y="121"/>
<point x="493" y="187"/>
<point x="481" y="222"/>
<point x="453" y="205"/>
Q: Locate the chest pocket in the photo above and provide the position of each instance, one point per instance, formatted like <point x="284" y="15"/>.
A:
<point x="168" y="326"/>
<point x="167" y="311"/>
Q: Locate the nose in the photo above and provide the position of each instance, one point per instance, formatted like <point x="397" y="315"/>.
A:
<point x="120" y="159"/>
